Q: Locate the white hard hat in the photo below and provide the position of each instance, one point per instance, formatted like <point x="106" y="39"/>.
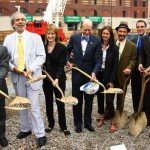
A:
<point x="90" y="88"/>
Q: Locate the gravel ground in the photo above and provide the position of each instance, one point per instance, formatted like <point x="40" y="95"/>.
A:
<point x="101" y="139"/>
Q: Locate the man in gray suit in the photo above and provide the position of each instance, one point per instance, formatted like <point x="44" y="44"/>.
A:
<point x="33" y="58"/>
<point x="4" y="67"/>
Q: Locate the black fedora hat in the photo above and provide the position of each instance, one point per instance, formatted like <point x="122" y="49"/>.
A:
<point x="123" y="25"/>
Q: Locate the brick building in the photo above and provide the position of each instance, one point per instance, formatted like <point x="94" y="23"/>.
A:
<point x="102" y="12"/>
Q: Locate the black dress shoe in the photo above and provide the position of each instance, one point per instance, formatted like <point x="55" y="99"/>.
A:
<point x="66" y="132"/>
<point x="42" y="141"/>
<point x="48" y="129"/>
<point x="3" y="142"/>
<point x="78" y="129"/>
<point x="22" y="135"/>
<point x="90" y="128"/>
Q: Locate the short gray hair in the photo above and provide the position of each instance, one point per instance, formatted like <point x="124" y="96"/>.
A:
<point x="12" y="19"/>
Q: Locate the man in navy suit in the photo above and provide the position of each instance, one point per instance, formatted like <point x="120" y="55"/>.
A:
<point x="87" y="57"/>
<point x="144" y="62"/>
<point x="136" y="81"/>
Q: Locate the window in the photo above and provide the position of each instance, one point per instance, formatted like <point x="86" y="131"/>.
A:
<point x="95" y="13"/>
<point x="135" y="2"/>
<point x="25" y="12"/>
<point x="143" y="3"/>
<point x="76" y="1"/>
<point x="75" y="13"/>
<point x="124" y="13"/>
<point x="0" y="11"/>
<point x="120" y="2"/>
<point x="95" y="2"/>
<point x="143" y="14"/>
<point x="38" y="12"/>
<point x="135" y="14"/>
<point x="26" y="0"/>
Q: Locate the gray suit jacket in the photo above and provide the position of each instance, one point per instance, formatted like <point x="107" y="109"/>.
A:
<point x="4" y="61"/>
<point x="34" y="54"/>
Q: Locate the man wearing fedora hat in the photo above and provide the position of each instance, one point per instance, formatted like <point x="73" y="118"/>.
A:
<point x="127" y="57"/>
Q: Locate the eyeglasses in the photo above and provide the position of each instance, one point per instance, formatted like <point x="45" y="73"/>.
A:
<point x="140" y="26"/>
<point x="20" y="19"/>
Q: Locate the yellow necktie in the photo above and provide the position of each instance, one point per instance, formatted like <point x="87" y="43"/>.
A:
<point x="20" y="54"/>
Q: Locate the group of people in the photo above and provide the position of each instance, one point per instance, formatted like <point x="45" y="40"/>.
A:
<point x="103" y="58"/>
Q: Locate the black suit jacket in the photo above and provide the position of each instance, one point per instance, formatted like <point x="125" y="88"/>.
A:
<point x="111" y="64"/>
<point x="144" y="55"/>
<point x="55" y="62"/>
<point x="92" y="59"/>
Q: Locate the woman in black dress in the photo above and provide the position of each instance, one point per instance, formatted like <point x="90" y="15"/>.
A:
<point x="55" y="62"/>
<point x="107" y="75"/>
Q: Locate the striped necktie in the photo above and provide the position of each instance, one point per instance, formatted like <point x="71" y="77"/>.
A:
<point x="20" y="54"/>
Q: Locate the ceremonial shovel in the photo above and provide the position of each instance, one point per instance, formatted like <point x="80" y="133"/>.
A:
<point x="35" y="79"/>
<point x="110" y="90"/>
<point x="120" y="115"/>
<point x="69" y="99"/>
<point x="17" y="103"/>
<point x="138" y="122"/>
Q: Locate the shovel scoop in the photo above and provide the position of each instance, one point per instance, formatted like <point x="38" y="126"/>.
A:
<point x="17" y="103"/>
<point x="138" y="122"/>
<point x="67" y="100"/>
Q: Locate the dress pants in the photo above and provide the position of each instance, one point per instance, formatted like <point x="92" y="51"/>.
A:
<point x="48" y="89"/>
<point x="136" y="84"/>
<point x="3" y="88"/>
<point x="100" y="98"/>
<point x="77" y="109"/>
<point x="33" y="115"/>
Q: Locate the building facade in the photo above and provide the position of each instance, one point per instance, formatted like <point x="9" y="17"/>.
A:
<point x="101" y="12"/>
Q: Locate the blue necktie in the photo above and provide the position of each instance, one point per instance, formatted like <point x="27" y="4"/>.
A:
<point x="84" y="38"/>
<point x="139" y="44"/>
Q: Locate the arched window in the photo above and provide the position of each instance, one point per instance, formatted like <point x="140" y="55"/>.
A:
<point x="40" y="12"/>
<point x="4" y="12"/>
<point x="24" y="11"/>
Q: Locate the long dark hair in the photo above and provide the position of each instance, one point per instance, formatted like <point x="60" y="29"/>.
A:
<point x="111" y="40"/>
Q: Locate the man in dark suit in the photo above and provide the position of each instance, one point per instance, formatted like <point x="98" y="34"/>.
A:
<point x="4" y="68"/>
<point x="136" y="81"/>
<point x="144" y="62"/>
<point x="127" y="58"/>
<point x="87" y="57"/>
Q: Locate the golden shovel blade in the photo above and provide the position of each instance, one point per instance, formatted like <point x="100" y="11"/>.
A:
<point x="38" y="78"/>
<point x="113" y="90"/>
<point x="19" y="103"/>
<point x="137" y="125"/>
<point x="69" y="100"/>
<point x="121" y="118"/>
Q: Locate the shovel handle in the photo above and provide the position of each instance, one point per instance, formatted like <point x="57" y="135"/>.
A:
<point x="51" y="79"/>
<point x="76" y="68"/>
<point x="2" y="93"/>
<point x="29" y="77"/>
<point x="144" y="83"/>
<point x="126" y="79"/>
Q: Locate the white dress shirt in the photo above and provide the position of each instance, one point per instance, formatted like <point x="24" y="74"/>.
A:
<point x="121" y="47"/>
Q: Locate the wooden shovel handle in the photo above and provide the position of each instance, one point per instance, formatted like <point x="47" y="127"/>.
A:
<point x="144" y="83"/>
<point x="29" y="77"/>
<point x="51" y="79"/>
<point x="2" y="93"/>
<point x="76" y="68"/>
